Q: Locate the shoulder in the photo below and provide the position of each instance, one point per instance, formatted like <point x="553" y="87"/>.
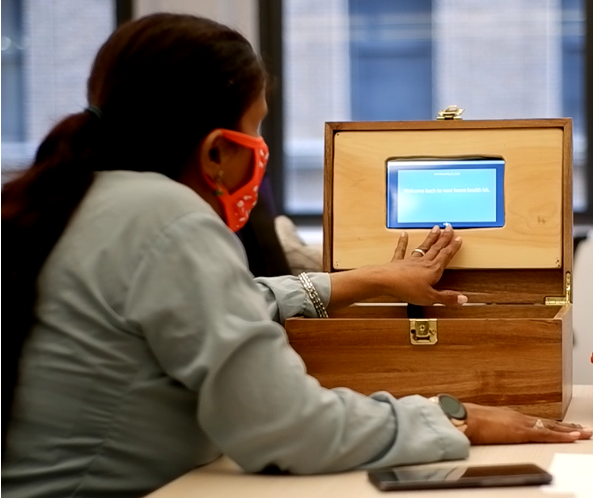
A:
<point x="131" y="210"/>
<point x="143" y="197"/>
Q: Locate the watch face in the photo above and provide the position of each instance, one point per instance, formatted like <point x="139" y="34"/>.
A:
<point x="452" y="407"/>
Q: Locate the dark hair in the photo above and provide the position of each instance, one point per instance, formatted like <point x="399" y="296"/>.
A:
<point x="162" y="83"/>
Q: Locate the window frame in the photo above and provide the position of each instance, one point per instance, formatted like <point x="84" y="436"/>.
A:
<point x="124" y="11"/>
<point x="271" y="51"/>
<point x="584" y="218"/>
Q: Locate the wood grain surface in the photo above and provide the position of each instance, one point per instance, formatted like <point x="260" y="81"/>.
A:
<point x="537" y="190"/>
<point x="518" y="356"/>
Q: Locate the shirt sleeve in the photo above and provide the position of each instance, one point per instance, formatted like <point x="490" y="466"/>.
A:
<point x="285" y="296"/>
<point x="208" y="324"/>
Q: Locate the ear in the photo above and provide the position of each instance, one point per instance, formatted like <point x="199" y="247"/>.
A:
<point x="210" y="153"/>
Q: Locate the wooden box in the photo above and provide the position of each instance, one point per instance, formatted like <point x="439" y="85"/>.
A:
<point x="512" y="343"/>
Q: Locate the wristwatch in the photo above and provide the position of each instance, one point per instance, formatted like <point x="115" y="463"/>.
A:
<point x="453" y="409"/>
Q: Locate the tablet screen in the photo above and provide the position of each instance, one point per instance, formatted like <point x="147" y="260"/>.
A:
<point x="464" y="193"/>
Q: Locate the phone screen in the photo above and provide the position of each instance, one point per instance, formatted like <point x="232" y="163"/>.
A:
<point x="460" y="476"/>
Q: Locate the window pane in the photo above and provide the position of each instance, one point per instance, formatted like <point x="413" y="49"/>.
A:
<point x="390" y="53"/>
<point x="45" y="67"/>
<point x="405" y="60"/>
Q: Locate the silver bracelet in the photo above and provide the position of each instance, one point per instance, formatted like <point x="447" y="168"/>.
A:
<point x="313" y="295"/>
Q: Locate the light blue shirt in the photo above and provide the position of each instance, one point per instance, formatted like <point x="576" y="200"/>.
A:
<point x="156" y="351"/>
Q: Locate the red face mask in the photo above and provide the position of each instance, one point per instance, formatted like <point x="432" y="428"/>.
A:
<point x="238" y="205"/>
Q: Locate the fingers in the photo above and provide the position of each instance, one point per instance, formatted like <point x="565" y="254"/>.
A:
<point x="430" y="240"/>
<point x="558" y="437"/>
<point x="567" y="427"/>
<point x="440" y="246"/>
<point x="550" y="436"/>
<point x="497" y="425"/>
<point x="441" y="242"/>
<point x="444" y="250"/>
<point x="449" y="298"/>
<point x="550" y="431"/>
<point x="579" y="433"/>
<point x="585" y="433"/>
<point x="401" y="247"/>
<point x="545" y="423"/>
<point x="447" y="253"/>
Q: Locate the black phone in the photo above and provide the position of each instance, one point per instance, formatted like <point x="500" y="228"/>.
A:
<point x="459" y="476"/>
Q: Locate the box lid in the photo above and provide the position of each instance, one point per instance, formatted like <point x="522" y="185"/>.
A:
<point x="526" y="260"/>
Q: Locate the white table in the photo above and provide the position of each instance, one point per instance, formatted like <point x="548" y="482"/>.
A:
<point x="223" y="478"/>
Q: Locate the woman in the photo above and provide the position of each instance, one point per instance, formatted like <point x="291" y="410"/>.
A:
<point x="143" y="345"/>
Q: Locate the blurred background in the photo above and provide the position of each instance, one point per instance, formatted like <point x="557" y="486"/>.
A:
<point x="333" y="60"/>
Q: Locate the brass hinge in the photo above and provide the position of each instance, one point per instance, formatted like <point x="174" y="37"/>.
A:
<point x="423" y="332"/>
<point x="450" y="112"/>
<point x="561" y="300"/>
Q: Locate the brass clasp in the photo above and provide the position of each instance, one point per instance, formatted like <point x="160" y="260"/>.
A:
<point x="450" y="112"/>
<point x="423" y="332"/>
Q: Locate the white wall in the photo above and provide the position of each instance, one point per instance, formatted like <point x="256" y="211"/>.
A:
<point x="241" y="15"/>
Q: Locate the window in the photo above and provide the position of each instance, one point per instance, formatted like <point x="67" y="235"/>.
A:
<point x="405" y="60"/>
<point x="390" y="54"/>
<point x="13" y="44"/>
<point x="48" y="47"/>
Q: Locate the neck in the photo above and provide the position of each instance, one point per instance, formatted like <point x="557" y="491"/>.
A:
<point x="191" y="178"/>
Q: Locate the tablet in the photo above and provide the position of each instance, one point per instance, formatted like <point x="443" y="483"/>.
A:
<point x="461" y="192"/>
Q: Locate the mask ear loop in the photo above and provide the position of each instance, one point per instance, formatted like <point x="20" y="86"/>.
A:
<point x="242" y="139"/>
<point x="218" y="191"/>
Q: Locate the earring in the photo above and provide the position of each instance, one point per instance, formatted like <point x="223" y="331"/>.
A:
<point x="219" y="180"/>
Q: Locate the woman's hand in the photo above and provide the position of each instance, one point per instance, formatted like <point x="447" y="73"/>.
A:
<point x="409" y="280"/>
<point x="412" y="279"/>
<point x="502" y="425"/>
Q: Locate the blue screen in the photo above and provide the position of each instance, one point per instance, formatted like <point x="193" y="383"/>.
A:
<point x="464" y="193"/>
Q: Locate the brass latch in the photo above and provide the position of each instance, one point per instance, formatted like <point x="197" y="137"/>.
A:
<point x="561" y="300"/>
<point x="450" y="112"/>
<point x="423" y="332"/>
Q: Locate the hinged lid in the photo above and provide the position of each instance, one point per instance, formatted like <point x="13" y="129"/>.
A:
<point x="526" y="260"/>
